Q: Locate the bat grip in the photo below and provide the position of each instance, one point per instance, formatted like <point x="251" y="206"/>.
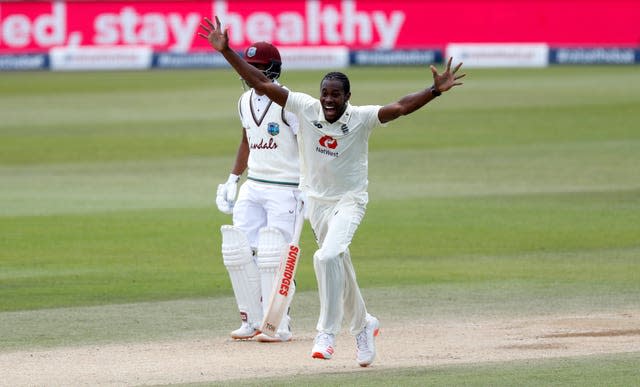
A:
<point x="299" y="222"/>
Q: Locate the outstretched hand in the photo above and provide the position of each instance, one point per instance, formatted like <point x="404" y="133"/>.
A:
<point x="216" y="37"/>
<point x="448" y="78"/>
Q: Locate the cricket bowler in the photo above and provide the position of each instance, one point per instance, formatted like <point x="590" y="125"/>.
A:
<point x="333" y="140"/>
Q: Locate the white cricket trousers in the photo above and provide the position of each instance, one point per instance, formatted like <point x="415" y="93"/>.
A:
<point x="334" y="224"/>
<point x="265" y="205"/>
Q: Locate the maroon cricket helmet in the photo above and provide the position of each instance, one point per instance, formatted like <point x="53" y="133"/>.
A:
<point x="265" y="53"/>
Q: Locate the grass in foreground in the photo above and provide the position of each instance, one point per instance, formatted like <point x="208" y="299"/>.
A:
<point x="610" y="370"/>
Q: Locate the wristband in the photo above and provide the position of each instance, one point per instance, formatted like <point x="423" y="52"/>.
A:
<point x="435" y="92"/>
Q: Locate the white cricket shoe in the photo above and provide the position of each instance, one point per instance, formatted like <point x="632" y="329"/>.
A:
<point x="365" y="341"/>
<point x="245" y="332"/>
<point x="323" y="346"/>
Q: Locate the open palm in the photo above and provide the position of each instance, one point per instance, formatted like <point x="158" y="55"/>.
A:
<point x="217" y="38"/>
<point x="448" y="78"/>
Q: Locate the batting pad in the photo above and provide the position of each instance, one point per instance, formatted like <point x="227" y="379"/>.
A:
<point x="243" y="272"/>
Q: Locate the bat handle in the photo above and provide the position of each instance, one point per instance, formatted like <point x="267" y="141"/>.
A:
<point x="299" y="222"/>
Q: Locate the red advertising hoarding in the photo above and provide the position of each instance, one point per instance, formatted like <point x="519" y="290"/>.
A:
<point x="358" y="24"/>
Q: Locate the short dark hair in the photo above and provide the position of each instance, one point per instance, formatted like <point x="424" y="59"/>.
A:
<point x="338" y="76"/>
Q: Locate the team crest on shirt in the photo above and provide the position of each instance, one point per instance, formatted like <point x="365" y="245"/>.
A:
<point x="273" y="128"/>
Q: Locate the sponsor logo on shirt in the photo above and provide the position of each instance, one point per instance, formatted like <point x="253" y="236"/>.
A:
<point x="264" y="144"/>
<point x="327" y="144"/>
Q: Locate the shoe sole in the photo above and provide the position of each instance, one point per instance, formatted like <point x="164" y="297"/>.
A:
<point x="268" y="339"/>
<point x="236" y="337"/>
<point x="320" y="355"/>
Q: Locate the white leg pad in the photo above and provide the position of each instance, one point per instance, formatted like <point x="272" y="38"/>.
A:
<point x="243" y="272"/>
<point x="271" y="245"/>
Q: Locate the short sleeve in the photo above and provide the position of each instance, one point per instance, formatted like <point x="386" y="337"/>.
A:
<point x="370" y="116"/>
<point x="298" y="102"/>
<point x="292" y="120"/>
<point x="240" y="112"/>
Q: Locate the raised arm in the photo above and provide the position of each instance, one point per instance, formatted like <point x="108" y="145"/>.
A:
<point x="219" y="40"/>
<point x="414" y="101"/>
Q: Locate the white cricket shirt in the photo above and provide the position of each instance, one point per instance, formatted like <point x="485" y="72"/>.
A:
<point x="334" y="157"/>
<point x="271" y="133"/>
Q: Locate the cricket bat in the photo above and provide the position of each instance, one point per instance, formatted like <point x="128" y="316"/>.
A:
<point x="280" y="294"/>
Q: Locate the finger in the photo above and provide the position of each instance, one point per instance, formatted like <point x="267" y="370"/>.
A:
<point x="231" y="193"/>
<point x="217" y="23"/>
<point x="459" y="76"/>
<point x="203" y="35"/>
<point x="208" y="22"/>
<point x="449" y="63"/>
<point x="205" y="28"/>
<point x="433" y="70"/>
<point x="457" y="67"/>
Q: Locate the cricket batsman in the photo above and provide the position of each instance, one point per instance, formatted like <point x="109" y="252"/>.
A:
<point x="265" y="210"/>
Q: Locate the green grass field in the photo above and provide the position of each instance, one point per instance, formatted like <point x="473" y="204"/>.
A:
<point x="519" y="191"/>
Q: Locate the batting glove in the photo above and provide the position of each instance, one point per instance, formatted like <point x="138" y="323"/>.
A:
<point x="226" y="194"/>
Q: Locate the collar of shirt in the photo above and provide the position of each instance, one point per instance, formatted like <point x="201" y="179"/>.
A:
<point x="255" y="95"/>
<point x="260" y="102"/>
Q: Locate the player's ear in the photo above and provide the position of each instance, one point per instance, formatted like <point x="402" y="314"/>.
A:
<point x="347" y="96"/>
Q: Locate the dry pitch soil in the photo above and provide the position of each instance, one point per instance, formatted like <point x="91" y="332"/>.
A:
<point x="420" y="344"/>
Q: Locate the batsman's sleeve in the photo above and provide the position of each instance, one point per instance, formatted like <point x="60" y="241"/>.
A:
<point x="243" y="117"/>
